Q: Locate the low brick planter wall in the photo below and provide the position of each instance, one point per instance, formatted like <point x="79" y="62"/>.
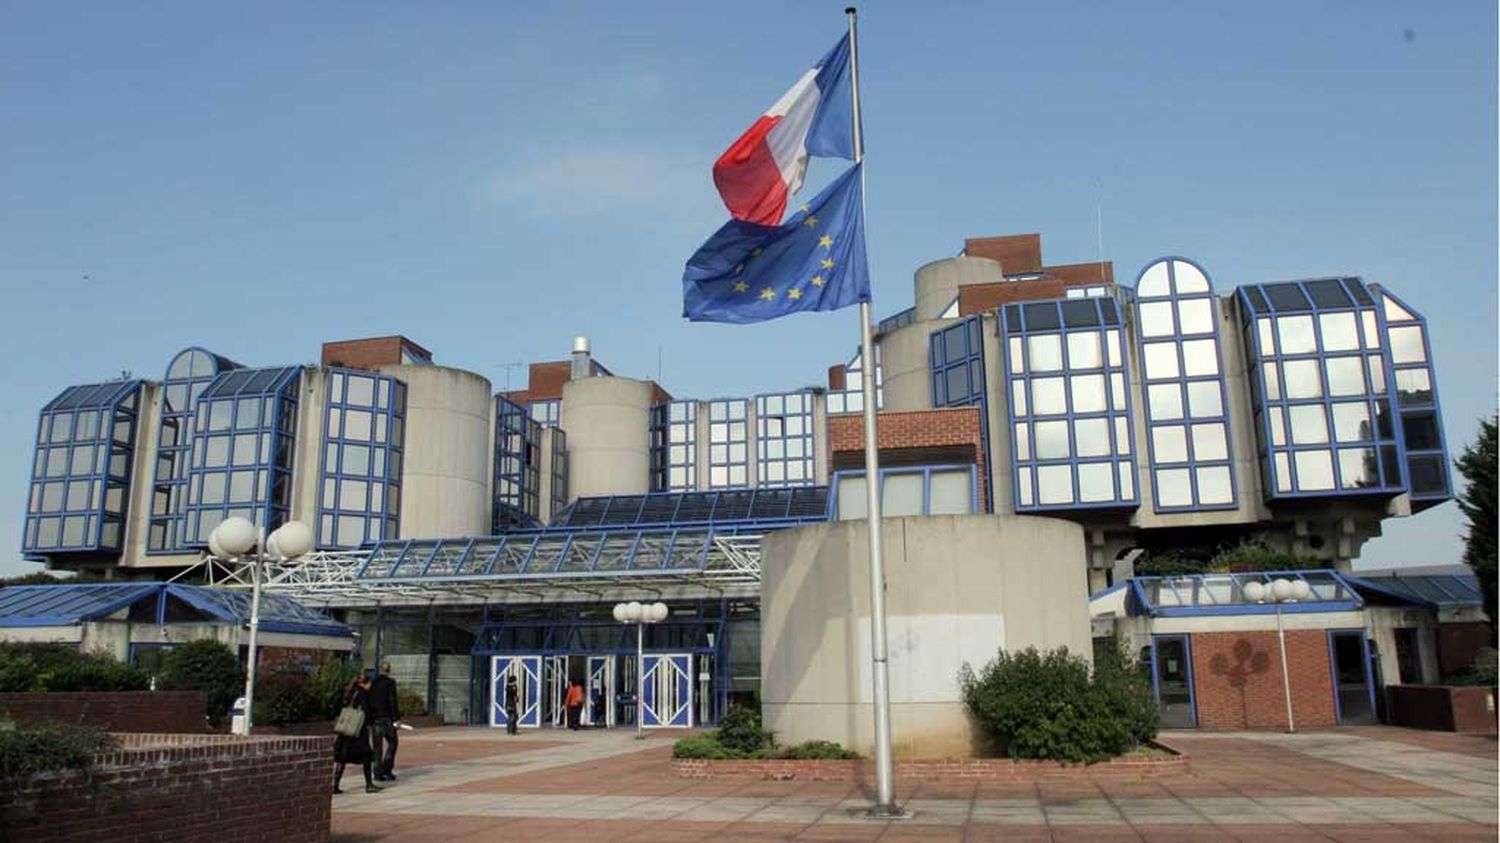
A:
<point x="183" y="788"/>
<point x="1446" y="708"/>
<point x="113" y="711"/>
<point x="934" y="769"/>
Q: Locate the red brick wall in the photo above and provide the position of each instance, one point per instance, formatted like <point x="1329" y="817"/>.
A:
<point x="911" y="430"/>
<point x="368" y="353"/>
<point x="286" y="659"/>
<point x="981" y="298"/>
<point x="1016" y="253"/>
<point x="1237" y="680"/>
<point x="1443" y="708"/>
<point x="183" y="788"/>
<point x="122" y="711"/>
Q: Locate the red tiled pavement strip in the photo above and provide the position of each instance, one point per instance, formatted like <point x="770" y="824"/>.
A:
<point x="483" y="785"/>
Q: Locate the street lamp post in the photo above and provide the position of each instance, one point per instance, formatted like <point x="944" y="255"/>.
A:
<point x="640" y="614"/>
<point x="1277" y="592"/>
<point x="235" y="538"/>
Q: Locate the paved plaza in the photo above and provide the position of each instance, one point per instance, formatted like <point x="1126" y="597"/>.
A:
<point x="1374" y="783"/>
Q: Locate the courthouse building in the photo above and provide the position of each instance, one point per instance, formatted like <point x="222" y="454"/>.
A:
<point x="1040" y="426"/>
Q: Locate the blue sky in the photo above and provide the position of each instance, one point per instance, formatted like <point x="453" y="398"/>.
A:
<point x="492" y="178"/>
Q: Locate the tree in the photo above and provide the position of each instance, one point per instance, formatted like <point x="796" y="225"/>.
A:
<point x="208" y="666"/>
<point x="1477" y="465"/>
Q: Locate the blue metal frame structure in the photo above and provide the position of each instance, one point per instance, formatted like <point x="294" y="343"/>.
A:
<point x="1321" y="387"/>
<point x="518" y="479"/>
<point x="1432" y="591"/>
<point x="1202" y="595"/>
<point x="245" y="428"/>
<point x="1189" y="440"/>
<point x="851" y="399"/>
<point x="68" y="604"/>
<point x="674" y="446"/>
<point x="364" y="433"/>
<point x="755" y="508"/>
<point x="976" y="503"/>
<point x="956" y="361"/>
<point x="785" y="446"/>
<point x="729" y="443"/>
<point x="1364" y="663"/>
<point x="896" y="320"/>
<point x="188" y="375"/>
<point x="81" y="469"/>
<point x="1069" y="406"/>
<point x="1423" y="440"/>
<point x="558" y="492"/>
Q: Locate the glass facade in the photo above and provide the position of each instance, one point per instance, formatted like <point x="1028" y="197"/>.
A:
<point x="851" y="399"/>
<point x="1069" y="405"/>
<point x="1320" y="384"/>
<point x="188" y="376"/>
<point x="674" y="446"/>
<point x="728" y="443"/>
<point x="80" y="474"/>
<point x="908" y="490"/>
<point x="559" y="488"/>
<point x="1188" y="431"/>
<point x="1416" y="397"/>
<point x="956" y="358"/>
<point x="518" y="440"/>
<point x="244" y="433"/>
<point x="546" y="412"/>
<point x="364" y="430"/>
<point x="784" y="445"/>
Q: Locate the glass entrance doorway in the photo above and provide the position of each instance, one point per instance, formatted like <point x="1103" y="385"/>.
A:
<point x="1353" y="694"/>
<point x="1172" y="676"/>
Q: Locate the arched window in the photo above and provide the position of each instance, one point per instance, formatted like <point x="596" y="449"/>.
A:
<point x="1187" y="416"/>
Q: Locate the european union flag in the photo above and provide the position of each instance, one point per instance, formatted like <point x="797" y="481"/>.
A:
<point x="815" y="260"/>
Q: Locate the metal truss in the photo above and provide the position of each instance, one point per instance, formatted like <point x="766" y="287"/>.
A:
<point x="539" y="566"/>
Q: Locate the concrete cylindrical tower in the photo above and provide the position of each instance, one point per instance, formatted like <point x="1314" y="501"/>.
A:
<point x="905" y="361"/>
<point x="937" y="283"/>
<point x="608" y="424"/>
<point x="449" y="446"/>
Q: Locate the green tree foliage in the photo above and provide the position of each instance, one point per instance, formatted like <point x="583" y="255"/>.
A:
<point x="285" y="697"/>
<point x="208" y="666"/>
<point x="57" y="746"/>
<point x="41" y="668"/>
<point x="1051" y="706"/>
<point x="329" y="682"/>
<point x="410" y="702"/>
<point x="1244" y="557"/>
<point x="740" y="730"/>
<point x="1477" y="465"/>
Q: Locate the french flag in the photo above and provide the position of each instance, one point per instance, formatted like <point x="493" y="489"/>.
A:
<point x="763" y="169"/>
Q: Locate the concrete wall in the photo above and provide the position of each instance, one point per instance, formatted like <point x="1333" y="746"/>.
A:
<point x="608" y="424"/>
<point x="937" y="283"/>
<point x="449" y="445"/>
<point x="906" y="370"/>
<point x="958" y="589"/>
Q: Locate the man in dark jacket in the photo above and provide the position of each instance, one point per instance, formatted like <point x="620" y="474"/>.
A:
<point x="384" y="712"/>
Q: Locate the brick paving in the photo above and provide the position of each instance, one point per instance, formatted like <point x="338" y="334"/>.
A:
<point x="1370" y="783"/>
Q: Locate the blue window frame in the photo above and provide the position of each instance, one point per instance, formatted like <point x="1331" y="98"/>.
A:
<point x="1069" y="408"/>
<point x="244" y="437"/>
<point x="851" y="399"/>
<point x="364" y="433"/>
<point x="908" y="491"/>
<point x="1321" y="384"/>
<point x="188" y="376"/>
<point x="559" y="489"/>
<point x="956" y="360"/>
<point x="1417" y="399"/>
<point x="1188" y="440"/>
<point x="545" y="412"/>
<point x="784" y="444"/>
<point x="1343" y="699"/>
<point x="674" y="446"/>
<point x="518" y="440"/>
<point x="80" y="471"/>
<point x="728" y="443"/>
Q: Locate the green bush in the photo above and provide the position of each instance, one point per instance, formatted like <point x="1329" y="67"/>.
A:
<point x="285" y="698"/>
<point x="208" y="666"/>
<point x="410" y="702"/>
<point x="1126" y="687"/>
<point x="329" y="682"/>
<point x="1482" y="671"/>
<point x="60" y="667"/>
<point x="740" y="730"/>
<point x="817" y="750"/>
<point x="1048" y="705"/>
<point x="703" y="746"/>
<point x="39" y="749"/>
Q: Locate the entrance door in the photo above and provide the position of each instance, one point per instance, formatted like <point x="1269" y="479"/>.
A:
<point x="1351" y="676"/>
<point x="1172" y="674"/>
<point x="557" y="689"/>
<point x="667" y="690"/>
<point x="600" y="686"/>
<point x="528" y="673"/>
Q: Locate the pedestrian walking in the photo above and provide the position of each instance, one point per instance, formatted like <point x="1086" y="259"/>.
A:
<point x="512" y="704"/>
<point x="599" y="715"/>
<point x="352" y="744"/>
<point x="384" y="712"/>
<point x="574" y="703"/>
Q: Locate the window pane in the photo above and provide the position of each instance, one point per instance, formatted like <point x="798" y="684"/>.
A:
<point x="1088" y="393"/>
<point x="1358" y="468"/>
<point x="1209" y="442"/>
<point x="1283" y="472"/>
<point x="1173" y="487"/>
<point x="1406" y="344"/>
<point x="1156" y="319"/>
<point x="1117" y="390"/>
<point x="1413" y="386"/>
<point x="1273" y="381"/>
<point x="1166" y="400"/>
<point x="1351" y="422"/>
<point x="1023" y="486"/>
<point x="1122" y="436"/>
<point x="1169" y="443"/>
<point x="1377" y="374"/>
<point x="1054" y="484"/>
<point x="1051" y="440"/>
<point x="1017" y="364"/>
<point x="1214" y="486"/>
<point x="1340" y="333"/>
<point x="1083" y="350"/>
<point x="1127" y="481"/>
<point x="1314" y="470"/>
<point x="1047" y="397"/>
<point x="1096" y="482"/>
<point x="1372" y="332"/>
<point x="1309" y="425"/>
<point x="1295" y="334"/>
<point x="1023" y="441"/>
<point x="1195" y="316"/>
<point x="1200" y="357"/>
<point x="1301" y="378"/>
<point x="1092" y="436"/>
<point x="950" y="493"/>
<point x="1112" y="347"/>
<point x="1161" y="360"/>
<point x="1045" y="352"/>
<point x="1018" y="404"/>
<point x="1266" y="335"/>
<point x="1205" y="399"/>
<point x="851" y="496"/>
<point x="1345" y="376"/>
<point x="1189" y="279"/>
<point x="901" y="494"/>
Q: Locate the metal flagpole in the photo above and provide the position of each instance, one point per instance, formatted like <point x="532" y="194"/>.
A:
<point x="885" y="800"/>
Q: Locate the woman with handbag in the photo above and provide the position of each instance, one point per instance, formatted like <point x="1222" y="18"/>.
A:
<point x="351" y="744"/>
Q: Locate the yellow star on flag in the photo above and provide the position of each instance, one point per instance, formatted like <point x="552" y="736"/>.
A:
<point x="825" y="241"/>
<point x="741" y="286"/>
<point x="827" y="263"/>
<point x="817" y="280"/>
<point x="768" y="294"/>
<point x="794" y="293"/>
<point x="806" y="208"/>
<point x="811" y="222"/>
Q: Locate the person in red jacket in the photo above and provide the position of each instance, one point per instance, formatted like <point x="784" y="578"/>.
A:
<point x="574" y="703"/>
